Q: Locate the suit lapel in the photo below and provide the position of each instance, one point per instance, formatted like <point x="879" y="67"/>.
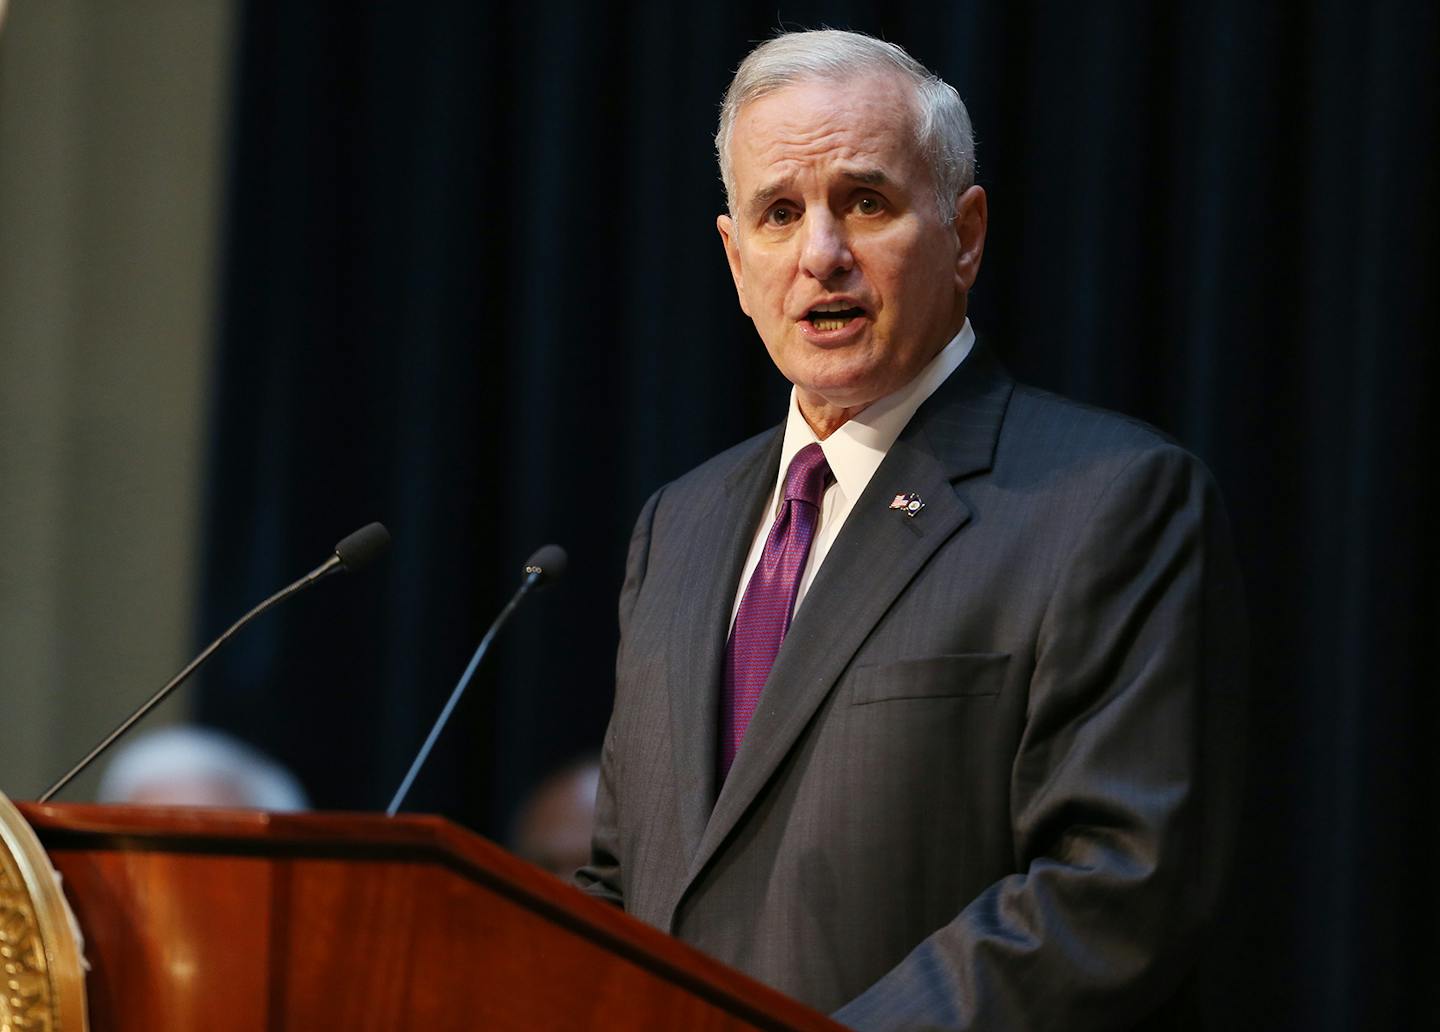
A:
<point x="699" y="630"/>
<point x="878" y="552"/>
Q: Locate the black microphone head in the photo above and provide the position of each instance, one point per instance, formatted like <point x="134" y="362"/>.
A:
<point x="548" y="563"/>
<point x="360" y="549"/>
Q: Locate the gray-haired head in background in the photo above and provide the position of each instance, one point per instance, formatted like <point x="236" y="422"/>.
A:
<point x="186" y="765"/>
<point x="942" y="125"/>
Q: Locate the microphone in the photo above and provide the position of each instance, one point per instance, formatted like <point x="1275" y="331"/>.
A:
<point x="542" y="569"/>
<point x="354" y="552"/>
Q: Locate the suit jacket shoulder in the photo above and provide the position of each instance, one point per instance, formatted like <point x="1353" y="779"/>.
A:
<point x="720" y="472"/>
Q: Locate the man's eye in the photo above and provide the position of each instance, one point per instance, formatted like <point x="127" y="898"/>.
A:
<point x="780" y="216"/>
<point x="869" y="206"/>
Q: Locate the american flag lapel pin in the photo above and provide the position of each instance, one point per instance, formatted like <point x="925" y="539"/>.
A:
<point x="909" y="503"/>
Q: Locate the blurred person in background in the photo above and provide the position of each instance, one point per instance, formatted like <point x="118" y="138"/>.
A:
<point x="552" y="826"/>
<point x="186" y="765"/>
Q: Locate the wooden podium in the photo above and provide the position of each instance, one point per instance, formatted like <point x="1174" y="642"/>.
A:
<point x="222" y="919"/>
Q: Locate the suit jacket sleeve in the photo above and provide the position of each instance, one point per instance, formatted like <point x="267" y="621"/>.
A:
<point x="1124" y="789"/>
<point x="602" y="875"/>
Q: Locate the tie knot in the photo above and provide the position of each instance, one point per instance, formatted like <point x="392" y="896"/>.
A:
<point x="805" y="481"/>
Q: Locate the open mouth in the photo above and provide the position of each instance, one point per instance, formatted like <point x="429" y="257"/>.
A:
<point x="833" y="317"/>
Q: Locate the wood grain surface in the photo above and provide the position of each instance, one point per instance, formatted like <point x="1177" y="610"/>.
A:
<point x="219" y="919"/>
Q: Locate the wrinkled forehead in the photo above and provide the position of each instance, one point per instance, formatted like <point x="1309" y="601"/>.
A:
<point x="862" y="128"/>
<point x="874" y="101"/>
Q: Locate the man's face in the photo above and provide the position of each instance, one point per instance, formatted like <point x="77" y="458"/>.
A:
<point x="838" y="253"/>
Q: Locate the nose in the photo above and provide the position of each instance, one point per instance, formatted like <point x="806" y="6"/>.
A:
<point x="825" y="252"/>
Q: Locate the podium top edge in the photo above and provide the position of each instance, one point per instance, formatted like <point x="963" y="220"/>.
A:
<point x="285" y="837"/>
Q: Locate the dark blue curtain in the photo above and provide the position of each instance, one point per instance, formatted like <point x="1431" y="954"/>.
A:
<point x="472" y="289"/>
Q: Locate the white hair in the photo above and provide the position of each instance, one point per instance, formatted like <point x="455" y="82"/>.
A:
<point x="185" y="752"/>
<point x="942" y="125"/>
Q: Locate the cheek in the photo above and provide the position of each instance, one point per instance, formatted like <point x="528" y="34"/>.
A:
<point x="767" y="271"/>
<point x="887" y="278"/>
<point x="916" y="281"/>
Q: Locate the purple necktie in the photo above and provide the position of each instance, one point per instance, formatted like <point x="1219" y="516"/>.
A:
<point x="764" y="613"/>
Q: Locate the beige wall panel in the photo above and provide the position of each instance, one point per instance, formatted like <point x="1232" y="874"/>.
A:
<point x="112" y="120"/>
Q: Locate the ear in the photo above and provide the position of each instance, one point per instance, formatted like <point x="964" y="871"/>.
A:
<point x="971" y="218"/>
<point x="728" y="236"/>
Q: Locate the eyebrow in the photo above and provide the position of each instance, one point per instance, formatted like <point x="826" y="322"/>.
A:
<point x="867" y="176"/>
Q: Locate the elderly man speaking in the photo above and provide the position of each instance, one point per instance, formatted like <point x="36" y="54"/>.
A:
<point x="927" y="702"/>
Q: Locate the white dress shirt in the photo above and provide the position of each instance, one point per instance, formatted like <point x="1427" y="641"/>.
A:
<point x="854" y="453"/>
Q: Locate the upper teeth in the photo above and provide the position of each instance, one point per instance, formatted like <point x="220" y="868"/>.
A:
<point x="833" y="306"/>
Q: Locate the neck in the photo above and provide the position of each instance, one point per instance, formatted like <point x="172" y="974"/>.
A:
<point x="825" y="418"/>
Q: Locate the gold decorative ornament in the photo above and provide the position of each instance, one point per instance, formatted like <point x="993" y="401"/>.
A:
<point x="42" y="981"/>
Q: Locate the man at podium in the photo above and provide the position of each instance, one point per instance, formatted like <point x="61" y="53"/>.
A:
<point x="928" y="700"/>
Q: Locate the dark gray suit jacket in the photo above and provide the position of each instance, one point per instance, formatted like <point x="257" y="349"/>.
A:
<point x="992" y="781"/>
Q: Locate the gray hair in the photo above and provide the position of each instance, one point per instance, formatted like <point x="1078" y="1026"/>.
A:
<point x="942" y="125"/>
<point x="186" y="752"/>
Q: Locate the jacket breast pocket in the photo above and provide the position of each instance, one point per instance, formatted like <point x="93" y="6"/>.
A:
<point x="930" y="677"/>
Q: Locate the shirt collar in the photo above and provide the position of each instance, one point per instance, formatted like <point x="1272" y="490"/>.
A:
<point x="857" y="448"/>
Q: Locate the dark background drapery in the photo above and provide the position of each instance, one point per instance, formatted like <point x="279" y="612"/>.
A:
<point x="472" y="289"/>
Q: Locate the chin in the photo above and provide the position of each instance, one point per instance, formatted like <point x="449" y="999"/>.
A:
<point x="841" y="395"/>
<point x="844" y="386"/>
